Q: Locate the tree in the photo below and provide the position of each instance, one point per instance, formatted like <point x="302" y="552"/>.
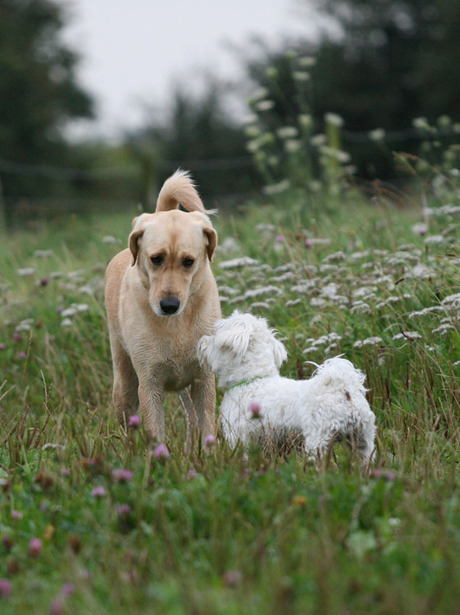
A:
<point x="38" y="88"/>
<point x="394" y="61"/>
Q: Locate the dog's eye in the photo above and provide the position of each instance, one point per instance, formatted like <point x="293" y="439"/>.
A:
<point x="188" y="262"/>
<point x="157" y="260"/>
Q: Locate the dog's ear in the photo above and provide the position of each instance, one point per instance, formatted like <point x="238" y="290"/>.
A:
<point x="235" y="339"/>
<point x="134" y="239"/>
<point x="139" y="223"/>
<point x="279" y="352"/>
<point x="210" y="235"/>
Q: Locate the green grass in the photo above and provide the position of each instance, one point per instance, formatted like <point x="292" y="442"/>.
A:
<point x="217" y="532"/>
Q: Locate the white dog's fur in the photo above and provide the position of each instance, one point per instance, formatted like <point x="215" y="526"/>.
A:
<point x="246" y="356"/>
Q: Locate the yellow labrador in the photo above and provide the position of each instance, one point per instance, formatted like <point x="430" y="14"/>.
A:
<point x="161" y="297"/>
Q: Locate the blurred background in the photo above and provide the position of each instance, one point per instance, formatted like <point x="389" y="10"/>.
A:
<point x="100" y="103"/>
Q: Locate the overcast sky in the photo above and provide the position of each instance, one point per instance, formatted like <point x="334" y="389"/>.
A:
<point x="133" y="50"/>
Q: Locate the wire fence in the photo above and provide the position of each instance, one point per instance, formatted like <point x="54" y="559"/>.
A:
<point x="135" y="174"/>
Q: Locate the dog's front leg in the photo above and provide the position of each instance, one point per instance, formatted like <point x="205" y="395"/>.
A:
<point x="204" y="400"/>
<point x="151" y="408"/>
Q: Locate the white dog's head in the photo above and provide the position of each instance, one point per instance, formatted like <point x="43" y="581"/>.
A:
<point x="242" y="347"/>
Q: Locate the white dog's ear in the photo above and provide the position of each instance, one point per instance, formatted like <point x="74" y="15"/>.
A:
<point x="235" y="339"/>
<point x="279" y="352"/>
<point x="202" y="348"/>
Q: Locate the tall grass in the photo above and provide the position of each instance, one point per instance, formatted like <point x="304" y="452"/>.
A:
<point x="218" y="531"/>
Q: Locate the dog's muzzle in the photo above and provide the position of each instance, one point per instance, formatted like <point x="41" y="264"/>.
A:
<point x="169" y="305"/>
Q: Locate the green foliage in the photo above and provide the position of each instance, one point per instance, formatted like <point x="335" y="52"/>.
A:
<point x="222" y="531"/>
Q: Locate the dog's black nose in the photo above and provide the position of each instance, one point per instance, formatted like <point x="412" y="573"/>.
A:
<point x="169" y="305"/>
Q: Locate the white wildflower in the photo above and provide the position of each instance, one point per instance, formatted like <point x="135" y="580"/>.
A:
<point x="26" y="271"/>
<point x="66" y="322"/>
<point x="281" y="186"/>
<point x="317" y="302"/>
<point x="306" y="61"/>
<point x="287" y="132"/>
<point x="443" y="329"/>
<point x="264" y="105"/>
<point x="433" y="239"/>
<point x="262" y="290"/>
<point x="420" y="228"/>
<point x="43" y="253"/>
<point x="408" y="335"/>
<point x="110" y="239"/>
<point x="377" y="135"/>
<point x="244" y="261"/>
<point x="334" y="119"/>
<point x="301" y="76"/>
<point x="261" y="305"/>
<point x="372" y="341"/>
<point x="293" y="302"/>
<point x="292" y="146"/>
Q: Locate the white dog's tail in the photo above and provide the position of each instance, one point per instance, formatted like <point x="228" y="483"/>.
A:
<point x="179" y="189"/>
<point x="340" y="373"/>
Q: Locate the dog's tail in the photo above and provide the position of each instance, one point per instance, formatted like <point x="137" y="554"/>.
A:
<point x="179" y="189"/>
<point x="340" y="373"/>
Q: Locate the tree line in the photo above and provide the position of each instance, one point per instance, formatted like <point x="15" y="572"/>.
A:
<point x="388" y="63"/>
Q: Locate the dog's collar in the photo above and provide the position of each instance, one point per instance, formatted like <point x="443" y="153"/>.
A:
<point x="245" y="382"/>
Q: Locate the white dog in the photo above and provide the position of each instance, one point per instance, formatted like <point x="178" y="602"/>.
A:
<point x="259" y="404"/>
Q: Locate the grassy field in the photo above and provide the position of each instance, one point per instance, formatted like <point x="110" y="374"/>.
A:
<point x="92" y="522"/>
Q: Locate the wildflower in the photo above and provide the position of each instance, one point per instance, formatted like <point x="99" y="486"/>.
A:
<point x="120" y="475"/>
<point x="134" y="421"/>
<point x="98" y="492"/>
<point x="2" y="346"/>
<point x="16" y="515"/>
<point x="245" y="261"/>
<point x="66" y="323"/>
<point x="22" y="355"/>
<point x="17" y="336"/>
<point x="260" y="94"/>
<point x="209" y="440"/>
<point x="7" y="542"/>
<point x="109" y="239"/>
<point x="301" y="76"/>
<point x="287" y="132"/>
<point x="421" y="123"/>
<point x="124" y="510"/>
<point x="306" y="61"/>
<point x="292" y="146"/>
<point x="35" y="547"/>
<point x="255" y="409"/>
<point x="161" y="451"/>
<point x="432" y="239"/>
<point x="408" y="335"/>
<point x="299" y="500"/>
<point x="420" y="228"/>
<point x="43" y="253"/>
<point x="333" y="119"/>
<point x="385" y="474"/>
<point x="191" y="474"/>
<point x="5" y="588"/>
<point x="377" y="135"/>
<point x="272" y="189"/>
<point x="272" y="72"/>
<point x="26" y="271"/>
<point x="57" y="607"/>
<point x="305" y="121"/>
<point x="232" y="578"/>
<point x="265" y="105"/>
